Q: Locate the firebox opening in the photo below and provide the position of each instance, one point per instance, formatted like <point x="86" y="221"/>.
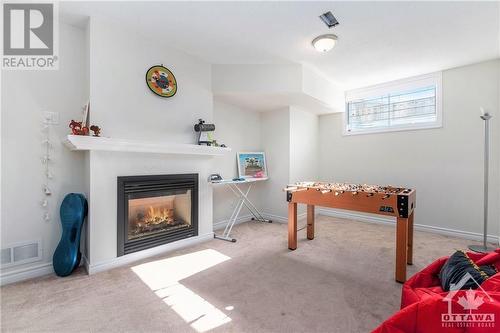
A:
<point x="154" y="210"/>
<point x="156" y="214"/>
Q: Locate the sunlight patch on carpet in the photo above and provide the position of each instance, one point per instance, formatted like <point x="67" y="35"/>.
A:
<point x="164" y="276"/>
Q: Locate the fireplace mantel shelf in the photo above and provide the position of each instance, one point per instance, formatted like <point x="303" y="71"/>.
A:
<point x="82" y="143"/>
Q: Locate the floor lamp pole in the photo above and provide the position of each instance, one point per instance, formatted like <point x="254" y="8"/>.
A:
<point x="485" y="248"/>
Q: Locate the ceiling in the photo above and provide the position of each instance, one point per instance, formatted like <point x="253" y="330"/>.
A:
<point x="378" y="41"/>
<point x="262" y="102"/>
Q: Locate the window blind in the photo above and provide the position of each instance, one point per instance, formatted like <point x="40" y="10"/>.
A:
<point x="395" y="109"/>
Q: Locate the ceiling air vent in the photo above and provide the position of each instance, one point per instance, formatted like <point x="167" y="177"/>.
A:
<point x="329" y="19"/>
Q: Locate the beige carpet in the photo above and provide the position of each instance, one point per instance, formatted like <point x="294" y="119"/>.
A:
<point x="340" y="282"/>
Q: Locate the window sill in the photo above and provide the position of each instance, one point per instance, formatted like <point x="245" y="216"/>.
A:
<point x="393" y="129"/>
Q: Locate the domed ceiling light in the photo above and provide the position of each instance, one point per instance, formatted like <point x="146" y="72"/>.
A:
<point x="324" y="43"/>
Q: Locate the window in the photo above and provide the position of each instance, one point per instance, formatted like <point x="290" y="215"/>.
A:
<point x="408" y="104"/>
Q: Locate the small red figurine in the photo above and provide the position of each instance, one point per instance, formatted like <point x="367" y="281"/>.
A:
<point x="96" y="129"/>
<point x="77" y="129"/>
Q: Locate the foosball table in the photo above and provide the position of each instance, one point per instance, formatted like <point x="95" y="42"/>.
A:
<point x="384" y="200"/>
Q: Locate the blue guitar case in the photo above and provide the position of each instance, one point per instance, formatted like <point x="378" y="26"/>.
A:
<point x="67" y="254"/>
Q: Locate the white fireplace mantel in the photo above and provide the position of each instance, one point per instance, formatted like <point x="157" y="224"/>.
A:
<point x="82" y="143"/>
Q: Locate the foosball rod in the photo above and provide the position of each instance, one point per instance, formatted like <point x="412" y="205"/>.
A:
<point x="295" y="189"/>
<point x="298" y="188"/>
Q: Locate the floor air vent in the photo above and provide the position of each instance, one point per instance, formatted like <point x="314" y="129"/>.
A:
<point x="21" y="253"/>
<point x="6" y="256"/>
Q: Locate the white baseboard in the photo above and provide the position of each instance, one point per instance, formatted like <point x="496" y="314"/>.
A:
<point x="85" y="262"/>
<point x="370" y="218"/>
<point x="26" y="273"/>
<point x="248" y="217"/>
<point x="222" y="224"/>
<point x="130" y="258"/>
<point x="344" y="214"/>
<point x="282" y="219"/>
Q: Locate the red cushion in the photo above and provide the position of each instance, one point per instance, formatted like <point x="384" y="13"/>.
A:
<point x="423" y="301"/>
<point x="428" y="278"/>
<point x="426" y="316"/>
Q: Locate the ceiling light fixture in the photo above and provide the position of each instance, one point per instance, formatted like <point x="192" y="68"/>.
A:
<point x="324" y="43"/>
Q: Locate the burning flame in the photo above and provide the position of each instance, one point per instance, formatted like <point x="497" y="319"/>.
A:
<point x="159" y="215"/>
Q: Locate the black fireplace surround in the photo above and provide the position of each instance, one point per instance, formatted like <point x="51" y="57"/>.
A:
<point x="155" y="210"/>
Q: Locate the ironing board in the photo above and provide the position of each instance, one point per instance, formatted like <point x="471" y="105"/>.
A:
<point x="242" y="195"/>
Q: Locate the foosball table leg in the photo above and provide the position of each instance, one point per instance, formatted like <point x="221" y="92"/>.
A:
<point x="401" y="248"/>
<point x="292" y="225"/>
<point x="410" y="239"/>
<point x="310" y="221"/>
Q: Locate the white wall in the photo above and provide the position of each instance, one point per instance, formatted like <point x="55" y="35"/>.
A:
<point x="275" y="138"/>
<point x="25" y="95"/>
<point x="304" y="150"/>
<point x="275" y="86"/>
<point x="124" y="106"/>
<point x="315" y="84"/>
<point x="445" y="165"/>
<point x="240" y="130"/>
<point x="265" y="78"/>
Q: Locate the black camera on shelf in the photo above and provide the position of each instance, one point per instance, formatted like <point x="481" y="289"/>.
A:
<point x="205" y="134"/>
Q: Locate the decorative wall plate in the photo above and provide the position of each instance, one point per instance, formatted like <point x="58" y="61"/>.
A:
<point x="161" y="81"/>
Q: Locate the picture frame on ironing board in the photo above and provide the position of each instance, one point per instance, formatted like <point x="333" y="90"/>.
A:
<point x="251" y="164"/>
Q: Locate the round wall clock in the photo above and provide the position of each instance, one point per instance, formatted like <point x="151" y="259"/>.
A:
<point x="161" y="81"/>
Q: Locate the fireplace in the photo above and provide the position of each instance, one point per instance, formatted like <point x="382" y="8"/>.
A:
<point x="155" y="210"/>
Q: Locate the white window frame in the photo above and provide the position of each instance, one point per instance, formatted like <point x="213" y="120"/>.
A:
<point x="393" y="86"/>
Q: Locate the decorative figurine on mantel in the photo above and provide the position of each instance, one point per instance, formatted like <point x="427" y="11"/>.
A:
<point x="77" y="128"/>
<point x="96" y="129"/>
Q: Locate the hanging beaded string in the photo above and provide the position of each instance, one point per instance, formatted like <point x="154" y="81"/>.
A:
<point x="46" y="161"/>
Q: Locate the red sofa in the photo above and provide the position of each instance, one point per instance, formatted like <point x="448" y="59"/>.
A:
<point x="425" y="307"/>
